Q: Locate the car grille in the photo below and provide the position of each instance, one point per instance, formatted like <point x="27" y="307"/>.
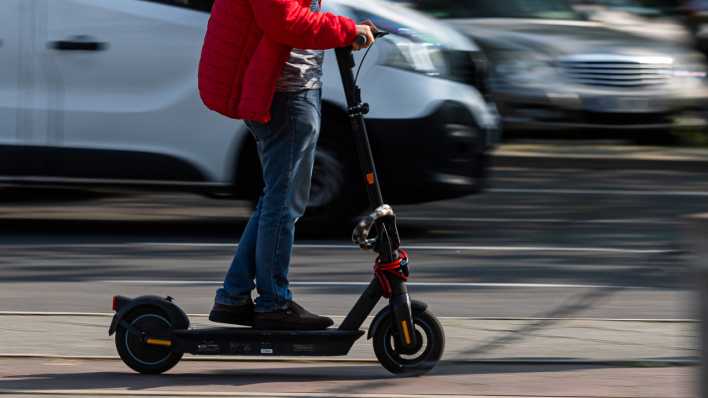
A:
<point x="618" y="71"/>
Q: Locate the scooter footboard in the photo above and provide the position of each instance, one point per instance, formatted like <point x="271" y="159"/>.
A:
<point x="247" y="341"/>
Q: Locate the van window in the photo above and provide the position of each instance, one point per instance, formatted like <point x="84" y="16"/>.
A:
<point x="199" y="5"/>
<point x="543" y="9"/>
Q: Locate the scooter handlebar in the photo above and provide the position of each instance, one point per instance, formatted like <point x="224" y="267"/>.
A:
<point x="362" y="40"/>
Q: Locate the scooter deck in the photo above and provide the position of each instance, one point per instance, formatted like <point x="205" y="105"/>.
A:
<point x="248" y="341"/>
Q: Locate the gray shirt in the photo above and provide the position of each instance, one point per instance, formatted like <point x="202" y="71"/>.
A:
<point x="304" y="68"/>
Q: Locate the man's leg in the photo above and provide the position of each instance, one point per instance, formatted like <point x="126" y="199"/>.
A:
<point x="238" y="282"/>
<point x="233" y="302"/>
<point x="288" y="154"/>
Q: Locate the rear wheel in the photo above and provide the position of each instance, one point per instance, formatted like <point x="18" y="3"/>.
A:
<point x="136" y="352"/>
<point x="431" y="344"/>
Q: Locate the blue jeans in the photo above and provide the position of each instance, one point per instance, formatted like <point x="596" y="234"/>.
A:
<point x="286" y="148"/>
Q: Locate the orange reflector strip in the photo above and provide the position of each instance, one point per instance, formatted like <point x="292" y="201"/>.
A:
<point x="406" y="333"/>
<point x="164" y="343"/>
<point x="370" y="178"/>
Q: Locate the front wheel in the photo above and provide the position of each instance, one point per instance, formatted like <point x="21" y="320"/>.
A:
<point x="431" y="344"/>
<point x="135" y="352"/>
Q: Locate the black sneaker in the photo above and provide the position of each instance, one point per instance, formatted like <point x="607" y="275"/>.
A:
<point x="241" y="314"/>
<point x="294" y="317"/>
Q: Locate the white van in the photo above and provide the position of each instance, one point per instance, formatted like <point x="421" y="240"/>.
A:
<point x="104" y="93"/>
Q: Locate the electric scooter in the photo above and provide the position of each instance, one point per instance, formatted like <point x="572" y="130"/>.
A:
<point x="152" y="333"/>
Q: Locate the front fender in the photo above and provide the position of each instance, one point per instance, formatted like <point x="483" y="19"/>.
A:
<point x="416" y="306"/>
<point x="177" y="317"/>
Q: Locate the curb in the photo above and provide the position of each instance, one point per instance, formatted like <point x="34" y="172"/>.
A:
<point x="597" y="163"/>
<point x="626" y="363"/>
<point x="158" y="393"/>
<point x="443" y="318"/>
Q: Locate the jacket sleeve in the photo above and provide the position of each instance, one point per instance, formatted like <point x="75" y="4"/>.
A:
<point x="290" y="23"/>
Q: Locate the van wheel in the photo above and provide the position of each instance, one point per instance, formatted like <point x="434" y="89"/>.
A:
<point x="334" y="199"/>
<point x="336" y="195"/>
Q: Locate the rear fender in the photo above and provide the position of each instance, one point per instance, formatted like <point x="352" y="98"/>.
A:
<point x="177" y="317"/>
<point x="416" y="307"/>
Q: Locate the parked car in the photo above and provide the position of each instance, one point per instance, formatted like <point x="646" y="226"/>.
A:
<point x="104" y="93"/>
<point x="637" y="18"/>
<point x="553" y="70"/>
<point x="691" y="14"/>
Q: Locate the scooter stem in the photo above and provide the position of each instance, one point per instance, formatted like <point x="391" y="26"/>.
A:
<point x="382" y="219"/>
<point x="356" y="110"/>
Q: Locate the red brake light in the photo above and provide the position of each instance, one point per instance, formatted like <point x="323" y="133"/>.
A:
<point x="115" y="303"/>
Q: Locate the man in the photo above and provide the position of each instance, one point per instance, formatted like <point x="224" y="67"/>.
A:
<point x="262" y="62"/>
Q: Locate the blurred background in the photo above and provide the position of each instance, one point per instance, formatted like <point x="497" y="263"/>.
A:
<point x="542" y="157"/>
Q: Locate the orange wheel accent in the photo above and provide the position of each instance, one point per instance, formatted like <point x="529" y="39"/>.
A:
<point x="406" y="333"/>
<point x="160" y="342"/>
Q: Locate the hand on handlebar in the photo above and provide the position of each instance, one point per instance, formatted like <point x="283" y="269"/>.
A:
<point x="364" y="31"/>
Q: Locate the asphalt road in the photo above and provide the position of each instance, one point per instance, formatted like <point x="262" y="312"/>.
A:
<point x="71" y="378"/>
<point x="540" y="243"/>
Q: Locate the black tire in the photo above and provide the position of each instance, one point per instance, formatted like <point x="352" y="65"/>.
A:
<point x="660" y="137"/>
<point x="333" y="202"/>
<point x="328" y="179"/>
<point x="335" y="199"/>
<point x="338" y="194"/>
<point x="432" y="345"/>
<point x="139" y="356"/>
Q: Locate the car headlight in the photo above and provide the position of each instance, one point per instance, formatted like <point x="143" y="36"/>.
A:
<point x="432" y="51"/>
<point x="522" y="69"/>
<point x="689" y="71"/>
<point x="416" y="56"/>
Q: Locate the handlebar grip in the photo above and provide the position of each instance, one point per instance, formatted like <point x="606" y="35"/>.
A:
<point x="361" y="40"/>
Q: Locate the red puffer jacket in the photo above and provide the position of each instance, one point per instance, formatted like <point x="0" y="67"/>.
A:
<point x="247" y="44"/>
